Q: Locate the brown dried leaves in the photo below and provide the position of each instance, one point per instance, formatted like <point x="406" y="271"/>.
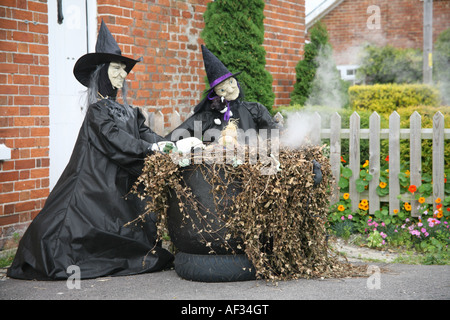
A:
<point x="280" y="218"/>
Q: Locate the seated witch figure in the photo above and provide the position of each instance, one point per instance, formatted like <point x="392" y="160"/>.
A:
<point x="224" y="101"/>
<point x="82" y="224"/>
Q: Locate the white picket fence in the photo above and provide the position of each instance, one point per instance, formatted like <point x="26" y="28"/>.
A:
<point x="375" y="134"/>
<point x="156" y="121"/>
<point x="438" y="134"/>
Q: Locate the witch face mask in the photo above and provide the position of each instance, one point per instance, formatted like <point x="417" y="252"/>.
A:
<point x="117" y="74"/>
<point x="228" y="89"/>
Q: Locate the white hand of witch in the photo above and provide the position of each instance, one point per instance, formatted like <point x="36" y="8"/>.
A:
<point x="185" y="145"/>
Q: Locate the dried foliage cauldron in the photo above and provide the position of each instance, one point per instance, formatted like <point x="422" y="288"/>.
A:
<point x="215" y="212"/>
<point x="206" y="250"/>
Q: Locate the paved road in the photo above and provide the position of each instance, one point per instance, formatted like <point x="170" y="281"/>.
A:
<point x="395" y="282"/>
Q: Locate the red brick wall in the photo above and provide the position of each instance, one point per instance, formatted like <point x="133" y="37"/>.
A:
<point x="401" y="25"/>
<point x="24" y="112"/>
<point x="166" y="33"/>
<point x="284" y="28"/>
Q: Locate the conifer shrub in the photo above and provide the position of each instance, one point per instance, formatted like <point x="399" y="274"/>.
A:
<point x="306" y="69"/>
<point x="234" y="32"/>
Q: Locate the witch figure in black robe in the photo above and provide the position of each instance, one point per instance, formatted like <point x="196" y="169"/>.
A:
<point x="82" y="222"/>
<point x="223" y="102"/>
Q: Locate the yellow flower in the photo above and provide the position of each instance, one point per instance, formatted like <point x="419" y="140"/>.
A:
<point x="364" y="205"/>
<point x="421" y="200"/>
<point x="395" y="211"/>
<point x="387" y="170"/>
<point x="366" y="163"/>
<point x="341" y="207"/>
<point x="438" y="200"/>
<point x="407" y="172"/>
<point x="440" y="214"/>
<point x="407" y="206"/>
<point x="346" y="196"/>
<point x="383" y="185"/>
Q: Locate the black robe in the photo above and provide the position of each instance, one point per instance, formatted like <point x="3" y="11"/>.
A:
<point x="82" y="222"/>
<point x="251" y="116"/>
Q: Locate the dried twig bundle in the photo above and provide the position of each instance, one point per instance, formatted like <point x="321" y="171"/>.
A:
<point x="279" y="218"/>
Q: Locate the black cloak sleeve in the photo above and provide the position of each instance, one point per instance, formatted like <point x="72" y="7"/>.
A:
<point x="118" y="144"/>
<point x="144" y="131"/>
<point x="261" y="115"/>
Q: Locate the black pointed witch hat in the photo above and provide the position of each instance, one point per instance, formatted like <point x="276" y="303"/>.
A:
<point x="106" y="50"/>
<point x="215" y="69"/>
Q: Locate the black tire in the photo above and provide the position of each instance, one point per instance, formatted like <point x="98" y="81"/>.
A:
<point x="214" y="268"/>
<point x="184" y="233"/>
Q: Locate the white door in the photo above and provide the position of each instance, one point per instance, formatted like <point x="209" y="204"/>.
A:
<point x="69" y="39"/>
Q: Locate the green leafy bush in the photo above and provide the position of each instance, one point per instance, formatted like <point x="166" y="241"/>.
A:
<point x="442" y="65"/>
<point x="386" y="98"/>
<point x="390" y="65"/>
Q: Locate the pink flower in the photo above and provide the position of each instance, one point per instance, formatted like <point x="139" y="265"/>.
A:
<point x="423" y="230"/>
<point x="383" y="235"/>
<point x="383" y="224"/>
<point x="342" y="218"/>
<point x="350" y="217"/>
<point x="433" y="221"/>
<point x="420" y="224"/>
<point x="415" y="233"/>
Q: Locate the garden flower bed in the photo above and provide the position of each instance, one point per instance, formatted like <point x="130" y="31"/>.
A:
<point x="427" y="233"/>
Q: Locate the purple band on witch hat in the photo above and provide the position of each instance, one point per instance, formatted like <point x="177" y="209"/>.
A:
<point x="220" y="79"/>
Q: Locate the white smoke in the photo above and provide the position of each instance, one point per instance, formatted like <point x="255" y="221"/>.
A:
<point x="326" y="87"/>
<point x="301" y="128"/>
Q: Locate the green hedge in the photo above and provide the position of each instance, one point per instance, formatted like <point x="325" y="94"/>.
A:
<point x="386" y="98"/>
